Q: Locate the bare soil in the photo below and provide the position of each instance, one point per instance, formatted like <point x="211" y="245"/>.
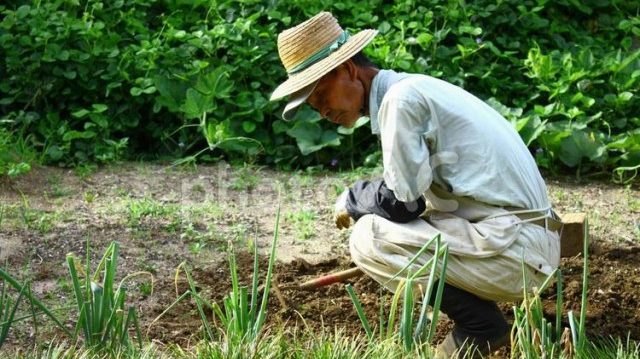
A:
<point x="162" y="216"/>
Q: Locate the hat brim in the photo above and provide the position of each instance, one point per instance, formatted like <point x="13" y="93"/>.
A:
<point x="296" y="99"/>
<point x="313" y="73"/>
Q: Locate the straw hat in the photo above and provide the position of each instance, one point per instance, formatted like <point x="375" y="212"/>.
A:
<point x="310" y="50"/>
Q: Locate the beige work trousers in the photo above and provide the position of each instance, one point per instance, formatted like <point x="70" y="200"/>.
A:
<point x="381" y="248"/>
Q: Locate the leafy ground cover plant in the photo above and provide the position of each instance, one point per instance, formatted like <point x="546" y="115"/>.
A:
<point x="102" y="81"/>
<point x="13" y="162"/>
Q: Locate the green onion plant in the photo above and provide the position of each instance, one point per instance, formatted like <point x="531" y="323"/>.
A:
<point x="243" y="316"/>
<point x="103" y="318"/>
<point x="412" y="335"/>
<point x="243" y="312"/>
<point x="8" y="310"/>
<point x="533" y="336"/>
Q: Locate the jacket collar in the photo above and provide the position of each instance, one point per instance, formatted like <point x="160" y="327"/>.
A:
<point x="379" y="87"/>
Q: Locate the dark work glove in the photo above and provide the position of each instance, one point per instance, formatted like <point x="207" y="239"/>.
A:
<point x="373" y="197"/>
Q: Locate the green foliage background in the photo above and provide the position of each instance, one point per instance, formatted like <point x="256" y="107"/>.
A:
<point x="96" y="81"/>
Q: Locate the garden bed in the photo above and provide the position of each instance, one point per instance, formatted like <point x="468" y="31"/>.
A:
<point x="162" y="216"/>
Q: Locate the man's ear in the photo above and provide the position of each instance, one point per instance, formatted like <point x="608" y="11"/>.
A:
<point x="351" y="68"/>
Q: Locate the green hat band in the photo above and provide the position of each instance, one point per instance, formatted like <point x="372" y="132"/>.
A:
<point x="321" y="54"/>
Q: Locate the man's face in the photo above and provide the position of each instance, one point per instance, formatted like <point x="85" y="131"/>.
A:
<point x="339" y="96"/>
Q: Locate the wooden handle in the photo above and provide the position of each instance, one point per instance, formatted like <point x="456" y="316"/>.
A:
<point x="330" y="279"/>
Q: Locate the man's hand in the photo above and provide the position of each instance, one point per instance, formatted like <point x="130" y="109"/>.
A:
<point x="340" y="215"/>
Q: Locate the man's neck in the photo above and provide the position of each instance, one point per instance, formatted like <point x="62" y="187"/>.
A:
<point x="366" y="75"/>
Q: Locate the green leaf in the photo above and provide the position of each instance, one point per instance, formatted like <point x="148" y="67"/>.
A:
<point x="242" y="145"/>
<point x="610" y="98"/>
<point x="627" y="61"/>
<point x="384" y="27"/>
<point x="625" y="96"/>
<point x="467" y="29"/>
<point x="99" y="107"/>
<point x="359" y="123"/>
<point x="625" y="25"/>
<point x="54" y="153"/>
<point x="80" y="113"/>
<point x="248" y="126"/>
<point x="279" y="126"/>
<point x="531" y="129"/>
<point x="311" y="138"/>
<point x="511" y="114"/>
<point x="70" y="74"/>
<point x="135" y="91"/>
<point x="211" y="134"/>
<point x="23" y="11"/>
<point x="72" y="135"/>
<point x="215" y="83"/>
<point x="113" y="53"/>
<point x="196" y="104"/>
<point x="172" y="92"/>
<point x="63" y="55"/>
<point x="100" y="120"/>
<point x="243" y="100"/>
<point x="306" y="114"/>
<point x="581" y="145"/>
<point x="16" y="169"/>
<point x="330" y="138"/>
<point x="424" y="40"/>
<point x="305" y="131"/>
<point x="628" y="142"/>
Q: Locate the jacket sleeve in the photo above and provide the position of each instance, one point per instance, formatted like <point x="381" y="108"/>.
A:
<point x="373" y="197"/>
<point x="406" y="127"/>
